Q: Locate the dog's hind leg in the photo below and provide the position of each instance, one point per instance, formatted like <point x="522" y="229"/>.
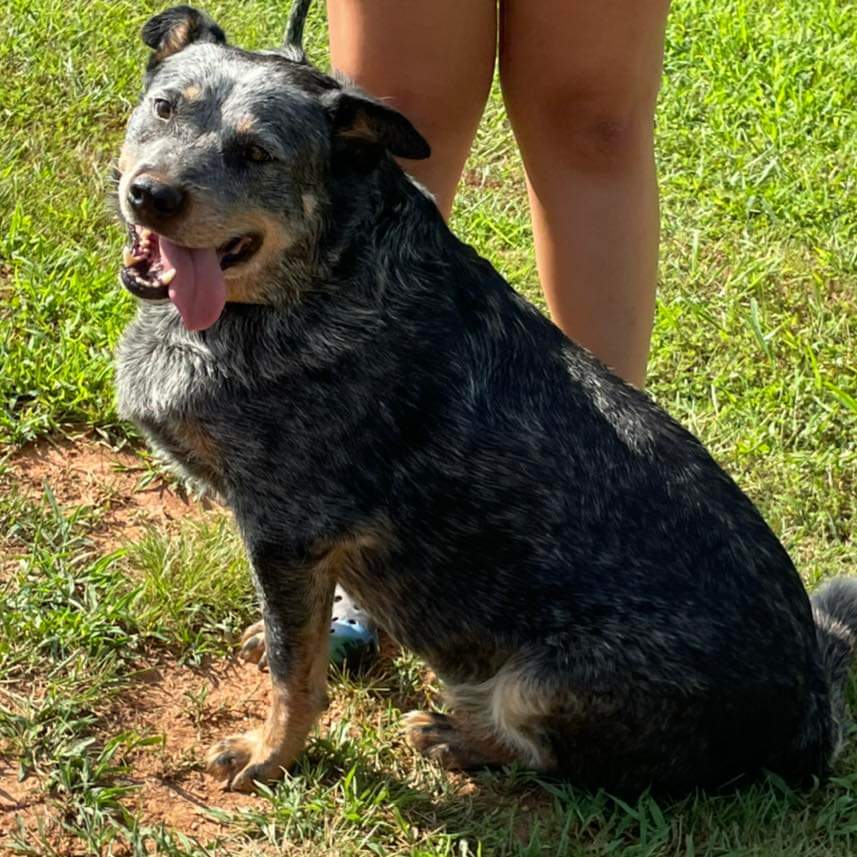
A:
<point x="494" y="722"/>
<point x="455" y="743"/>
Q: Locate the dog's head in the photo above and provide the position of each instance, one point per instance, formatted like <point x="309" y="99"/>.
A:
<point x="226" y="168"/>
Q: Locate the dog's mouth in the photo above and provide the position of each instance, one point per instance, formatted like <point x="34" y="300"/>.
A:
<point x="155" y="268"/>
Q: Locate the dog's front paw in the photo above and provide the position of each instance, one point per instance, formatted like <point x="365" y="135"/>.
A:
<point x="253" y="645"/>
<point x="241" y="761"/>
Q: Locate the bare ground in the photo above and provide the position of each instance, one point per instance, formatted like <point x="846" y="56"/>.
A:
<point x="190" y="709"/>
<point x="187" y="708"/>
<point x="122" y="489"/>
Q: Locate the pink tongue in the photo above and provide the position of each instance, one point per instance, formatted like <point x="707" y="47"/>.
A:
<point x="197" y="289"/>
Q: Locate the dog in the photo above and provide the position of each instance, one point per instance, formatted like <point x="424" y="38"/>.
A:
<point x="379" y="408"/>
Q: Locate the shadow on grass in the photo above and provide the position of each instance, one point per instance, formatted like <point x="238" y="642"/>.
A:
<point x="338" y="791"/>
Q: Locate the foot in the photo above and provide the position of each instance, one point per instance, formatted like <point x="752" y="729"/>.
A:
<point x="241" y="761"/>
<point x="440" y="738"/>
<point x="253" y="645"/>
<point x="353" y="635"/>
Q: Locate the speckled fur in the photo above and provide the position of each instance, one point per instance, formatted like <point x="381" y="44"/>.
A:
<point x="601" y="599"/>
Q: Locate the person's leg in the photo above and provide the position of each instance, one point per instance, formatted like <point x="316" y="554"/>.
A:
<point x="433" y="61"/>
<point x="580" y="80"/>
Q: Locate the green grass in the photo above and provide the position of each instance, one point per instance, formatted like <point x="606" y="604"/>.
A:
<point x="754" y="349"/>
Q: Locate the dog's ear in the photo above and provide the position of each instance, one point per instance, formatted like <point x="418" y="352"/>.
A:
<point x="175" y="29"/>
<point x="361" y="120"/>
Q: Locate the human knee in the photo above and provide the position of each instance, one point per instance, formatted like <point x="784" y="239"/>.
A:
<point x="589" y="125"/>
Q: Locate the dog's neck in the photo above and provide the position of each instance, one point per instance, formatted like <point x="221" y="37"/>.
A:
<point x="382" y="209"/>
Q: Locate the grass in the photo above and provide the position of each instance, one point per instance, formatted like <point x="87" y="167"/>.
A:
<point x="754" y="350"/>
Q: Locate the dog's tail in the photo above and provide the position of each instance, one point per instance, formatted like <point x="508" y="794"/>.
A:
<point x="834" y="608"/>
<point x="294" y="39"/>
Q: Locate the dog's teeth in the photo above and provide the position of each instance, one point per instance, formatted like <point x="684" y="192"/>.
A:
<point x="145" y="234"/>
<point x="167" y="277"/>
<point x="129" y="259"/>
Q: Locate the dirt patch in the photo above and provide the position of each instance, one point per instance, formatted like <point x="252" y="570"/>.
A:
<point x="125" y="492"/>
<point x="23" y="800"/>
<point x="188" y="709"/>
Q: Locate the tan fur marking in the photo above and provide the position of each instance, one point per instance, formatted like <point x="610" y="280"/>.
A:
<point x="127" y="159"/>
<point x="338" y="557"/>
<point x="245" y="291"/>
<point x="200" y="445"/>
<point x="243" y="284"/>
<point x="297" y="702"/>
<point x="360" y="130"/>
<point x="192" y="92"/>
<point x="506" y="706"/>
<point x="310" y="202"/>
<point x="246" y="123"/>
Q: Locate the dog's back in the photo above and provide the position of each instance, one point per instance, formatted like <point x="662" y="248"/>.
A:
<point x="570" y="560"/>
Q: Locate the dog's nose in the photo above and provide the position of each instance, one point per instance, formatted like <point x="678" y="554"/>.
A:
<point x="153" y="198"/>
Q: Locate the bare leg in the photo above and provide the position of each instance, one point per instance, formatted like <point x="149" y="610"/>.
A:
<point x="432" y="61"/>
<point x="580" y="80"/>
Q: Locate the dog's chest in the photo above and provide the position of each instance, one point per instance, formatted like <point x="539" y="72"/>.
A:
<point x="193" y="448"/>
<point x="171" y="391"/>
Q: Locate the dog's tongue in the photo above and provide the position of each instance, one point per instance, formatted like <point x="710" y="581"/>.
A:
<point x="198" y="289"/>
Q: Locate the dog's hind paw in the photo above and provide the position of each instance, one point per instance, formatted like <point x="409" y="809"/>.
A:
<point x="431" y="735"/>
<point x="241" y="761"/>
<point x="253" y="648"/>
<point x="427" y="730"/>
<point x="439" y="737"/>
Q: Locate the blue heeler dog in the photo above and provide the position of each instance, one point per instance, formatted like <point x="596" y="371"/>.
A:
<point x="378" y="407"/>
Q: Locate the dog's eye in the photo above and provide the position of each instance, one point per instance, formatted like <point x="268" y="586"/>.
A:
<point x="163" y="109"/>
<point x="257" y="154"/>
